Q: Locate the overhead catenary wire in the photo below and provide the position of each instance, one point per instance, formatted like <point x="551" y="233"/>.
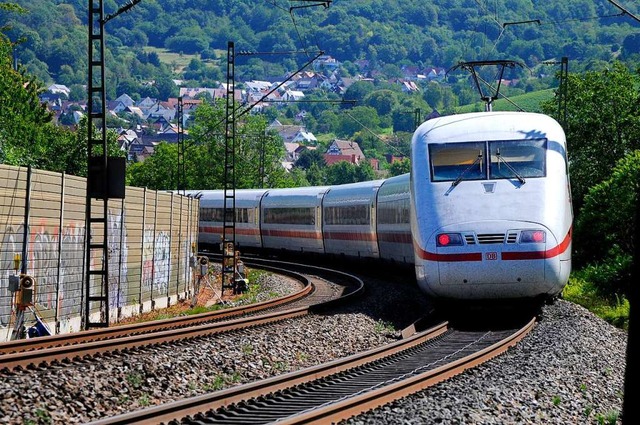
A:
<point x="500" y="95"/>
<point x="504" y="25"/>
<point x="293" y="7"/>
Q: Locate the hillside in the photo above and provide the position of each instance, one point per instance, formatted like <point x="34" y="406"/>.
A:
<point x="529" y="102"/>
<point x="384" y="35"/>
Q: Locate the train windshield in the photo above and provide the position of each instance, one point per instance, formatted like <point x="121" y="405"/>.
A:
<point x="508" y="159"/>
<point x="518" y="159"/>
<point x="458" y="161"/>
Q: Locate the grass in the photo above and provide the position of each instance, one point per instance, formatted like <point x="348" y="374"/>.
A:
<point x="177" y="61"/>
<point x="530" y="102"/>
<point x="383" y="327"/>
<point x="183" y="308"/>
<point x="134" y="379"/>
<point x="614" y="311"/>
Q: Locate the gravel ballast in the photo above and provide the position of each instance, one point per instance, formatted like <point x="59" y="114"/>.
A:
<point x="569" y="369"/>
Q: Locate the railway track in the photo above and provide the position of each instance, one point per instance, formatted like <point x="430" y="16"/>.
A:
<point x="343" y="388"/>
<point x="315" y="293"/>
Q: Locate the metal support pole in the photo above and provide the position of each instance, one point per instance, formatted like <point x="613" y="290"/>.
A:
<point x="180" y="249"/>
<point x="630" y="412"/>
<point x="27" y="218"/>
<point x="564" y="91"/>
<point x="59" y="275"/>
<point x="170" y="251"/>
<point x="120" y="258"/>
<point x="153" y="251"/>
<point x="144" y="218"/>
<point x="229" y="216"/>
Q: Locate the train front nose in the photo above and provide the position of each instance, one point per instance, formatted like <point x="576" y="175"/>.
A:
<point x="483" y="262"/>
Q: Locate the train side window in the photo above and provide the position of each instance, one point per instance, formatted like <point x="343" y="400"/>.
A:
<point x="347" y="215"/>
<point x="453" y="161"/>
<point x="304" y="216"/>
<point x="393" y="212"/>
<point x="211" y="214"/>
<point x="512" y="158"/>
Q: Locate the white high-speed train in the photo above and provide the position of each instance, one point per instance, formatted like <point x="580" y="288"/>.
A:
<point x="484" y="214"/>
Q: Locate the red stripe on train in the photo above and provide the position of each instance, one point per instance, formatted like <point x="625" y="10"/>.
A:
<point x="300" y="234"/>
<point x="239" y="230"/>
<point x="431" y="256"/>
<point x="349" y="236"/>
<point x="395" y="237"/>
<point x="508" y="256"/>
<point x="540" y="255"/>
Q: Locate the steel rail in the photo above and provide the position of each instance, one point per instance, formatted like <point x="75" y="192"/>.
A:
<point x="81" y="350"/>
<point x="378" y="397"/>
<point x="157" y="325"/>
<point x="67" y="352"/>
<point x="192" y="406"/>
<point x="332" y="412"/>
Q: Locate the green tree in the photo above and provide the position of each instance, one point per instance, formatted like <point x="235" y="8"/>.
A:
<point x="604" y="226"/>
<point x="26" y="129"/>
<point x="310" y="157"/>
<point x="602" y="126"/>
<point x="356" y="92"/>
<point x="258" y="156"/>
<point x="316" y="175"/>
<point x="166" y="88"/>
<point x="358" y="118"/>
<point x="159" y="171"/>
<point x="341" y="172"/>
<point x="344" y="172"/>
<point x="384" y="101"/>
<point x="402" y="166"/>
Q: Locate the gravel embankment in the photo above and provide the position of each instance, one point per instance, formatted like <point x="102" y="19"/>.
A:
<point x="570" y="369"/>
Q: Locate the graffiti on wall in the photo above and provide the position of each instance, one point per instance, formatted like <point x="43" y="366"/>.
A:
<point x="156" y="261"/>
<point x="162" y="262"/>
<point x="118" y="255"/>
<point x="56" y="258"/>
<point x="52" y="293"/>
<point x="11" y="245"/>
<point x="71" y="270"/>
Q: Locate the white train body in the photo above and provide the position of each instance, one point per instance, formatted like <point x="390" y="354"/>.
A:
<point x="291" y="219"/>
<point x="349" y="219"/>
<point x="485" y="214"/>
<point x="392" y="220"/>
<point x="247" y="214"/>
<point x="491" y="206"/>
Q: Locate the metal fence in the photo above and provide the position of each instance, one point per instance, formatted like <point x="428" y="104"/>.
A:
<point x="150" y="240"/>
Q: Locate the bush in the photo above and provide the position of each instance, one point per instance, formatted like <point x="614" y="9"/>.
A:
<point x="605" y="227"/>
<point x="610" y="277"/>
<point x="614" y="310"/>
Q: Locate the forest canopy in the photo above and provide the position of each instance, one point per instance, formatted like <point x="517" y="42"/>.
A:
<point x="410" y="32"/>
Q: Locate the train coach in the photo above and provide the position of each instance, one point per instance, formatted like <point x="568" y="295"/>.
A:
<point x="484" y="214"/>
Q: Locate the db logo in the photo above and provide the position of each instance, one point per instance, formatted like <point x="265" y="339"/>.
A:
<point x="490" y="255"/>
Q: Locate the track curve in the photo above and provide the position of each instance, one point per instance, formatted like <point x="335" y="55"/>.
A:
<point x="65" y="348"/>
<point x="342" y="388"/>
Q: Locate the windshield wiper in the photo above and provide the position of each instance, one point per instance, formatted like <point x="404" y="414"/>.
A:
<point x="510" y="167"/>
<point x="473" y="164"/>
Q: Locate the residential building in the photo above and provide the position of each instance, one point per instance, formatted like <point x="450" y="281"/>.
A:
<point x="346" y="148"/>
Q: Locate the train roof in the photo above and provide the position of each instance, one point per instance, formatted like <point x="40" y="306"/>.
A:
<point x="481" y="126"/>
<point x="353" y="192"/>
<point x="295" y="196"/>
<point x="395" y="187"/>
<point x="244" y="197"/>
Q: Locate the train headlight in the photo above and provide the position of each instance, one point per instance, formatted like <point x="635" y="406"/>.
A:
<point x="533" y="236"/>
<point x="449" y="239"/>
